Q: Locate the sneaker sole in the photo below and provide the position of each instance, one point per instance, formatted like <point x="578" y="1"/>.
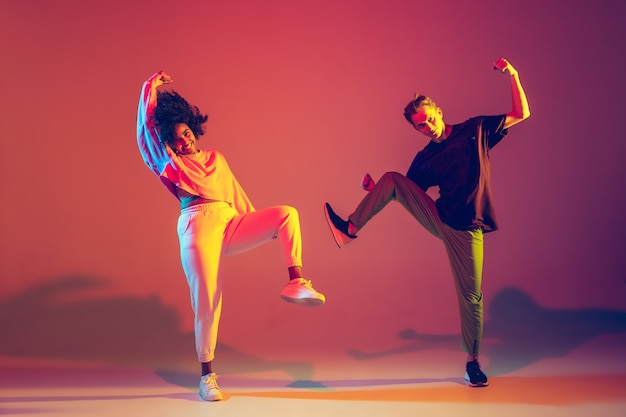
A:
<point x="477" y="385"/>
<point x="307" y="302"/>
<point x="469" y="384"/>
<point x="214" y="397"/>
<point x="337" y="235"/>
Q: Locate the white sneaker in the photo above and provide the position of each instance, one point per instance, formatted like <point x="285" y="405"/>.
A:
<point x="300" y="291"/>
<point x="209" y="390"/>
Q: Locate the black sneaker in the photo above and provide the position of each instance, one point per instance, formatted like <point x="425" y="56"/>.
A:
<point x="338" y="226"/>
<point x="474" y="376"/>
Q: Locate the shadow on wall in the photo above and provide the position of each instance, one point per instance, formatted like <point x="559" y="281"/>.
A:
<point x="50" y="321"/>
<point x="45" y="322"/>
<point x="524" y="332"/>
<point x="528" y="332"/>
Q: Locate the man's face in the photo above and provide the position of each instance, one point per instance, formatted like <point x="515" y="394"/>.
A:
<point x="429" y="121"/>
<point x="184" y="140"/>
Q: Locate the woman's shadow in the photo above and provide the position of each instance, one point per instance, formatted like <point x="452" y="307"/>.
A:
<point x="55" y="321"/>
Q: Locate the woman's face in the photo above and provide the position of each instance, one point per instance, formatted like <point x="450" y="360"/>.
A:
<point x="184" y="140"/>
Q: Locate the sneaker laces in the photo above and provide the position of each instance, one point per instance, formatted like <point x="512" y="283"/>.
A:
<point x="211" y="382"/>
<point x="306" y="283"/>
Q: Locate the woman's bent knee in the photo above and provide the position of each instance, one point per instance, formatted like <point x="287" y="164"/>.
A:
<point x="289" y="211"/>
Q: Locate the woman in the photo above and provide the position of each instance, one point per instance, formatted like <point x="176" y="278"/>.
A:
<point x="217" y="218"/>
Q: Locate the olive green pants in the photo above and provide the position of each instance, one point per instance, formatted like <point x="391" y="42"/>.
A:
<point x="464" y="248"/>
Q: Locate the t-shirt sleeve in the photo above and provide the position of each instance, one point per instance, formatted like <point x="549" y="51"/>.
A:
<point x="493" y="129"/>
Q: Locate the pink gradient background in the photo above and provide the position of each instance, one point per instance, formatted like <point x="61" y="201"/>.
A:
<point x="303" y="98"/>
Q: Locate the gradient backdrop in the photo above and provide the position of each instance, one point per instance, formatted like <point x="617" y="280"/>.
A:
<point x="303" y="98"/>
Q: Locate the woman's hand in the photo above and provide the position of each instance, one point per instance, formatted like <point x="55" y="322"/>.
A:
<point x="160" y="78"/>
<point x="367" y="183"/>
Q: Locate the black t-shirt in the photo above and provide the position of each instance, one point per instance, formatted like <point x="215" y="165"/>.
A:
<point x="459" y="166"/>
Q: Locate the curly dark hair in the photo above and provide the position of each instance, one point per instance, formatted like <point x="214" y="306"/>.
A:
<point x="173" y="109"/>
<point x="415" y="106"/>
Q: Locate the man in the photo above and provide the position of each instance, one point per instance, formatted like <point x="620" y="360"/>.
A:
<point x="457" y="161"/>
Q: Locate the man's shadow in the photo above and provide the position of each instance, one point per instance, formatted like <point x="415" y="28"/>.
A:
<point x="53" y="321"/>
<point x="525" y="332"/>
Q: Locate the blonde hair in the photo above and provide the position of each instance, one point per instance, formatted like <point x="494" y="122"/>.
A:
<point x="416" y="104"/>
